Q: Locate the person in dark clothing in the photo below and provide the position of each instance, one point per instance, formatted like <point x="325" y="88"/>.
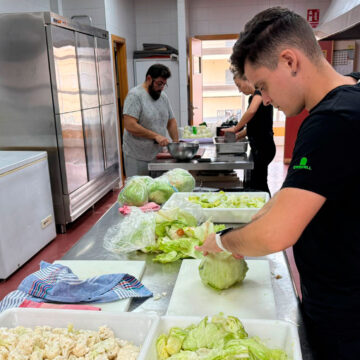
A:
<point x="316" y="210"/>
<point x="258" y="119"/>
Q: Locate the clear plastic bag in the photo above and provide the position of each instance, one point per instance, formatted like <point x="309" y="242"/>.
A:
<point x="135" y="191"/>
<point x="135" y="232"/>
<point x="160" y="190"/>
<point x="181" y="179"/>
<point x="194" y="209"/>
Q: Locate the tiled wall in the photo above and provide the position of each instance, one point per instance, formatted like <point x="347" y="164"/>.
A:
<point x="94" y="8"/>
<point x="209" y="17"/>
<point x="10" y="6"/>
<point x="156" y="22"/>
<point x="120" y="21"/>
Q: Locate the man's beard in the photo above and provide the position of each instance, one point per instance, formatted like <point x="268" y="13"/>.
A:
<point x="153" y="93"/>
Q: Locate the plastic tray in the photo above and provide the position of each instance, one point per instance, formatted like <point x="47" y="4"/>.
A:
<point x="237" y="147"/>
<point x="199" y="140"/>
<point x="134" y="327"/>
<point x="218" y="215"/>
<point x="274" y="333"/>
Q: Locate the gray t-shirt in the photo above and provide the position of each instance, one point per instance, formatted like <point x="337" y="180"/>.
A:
<point x="152" y="115"/>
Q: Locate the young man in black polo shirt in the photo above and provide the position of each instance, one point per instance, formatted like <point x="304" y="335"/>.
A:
<point x="317" y="210"/>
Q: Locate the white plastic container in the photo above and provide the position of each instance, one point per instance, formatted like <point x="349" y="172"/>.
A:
<point x="273" y="333"/>
<point x="218" y="215"/>
<point x="135" y="327"/>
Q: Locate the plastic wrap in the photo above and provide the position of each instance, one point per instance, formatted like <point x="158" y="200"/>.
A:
<point x="135" y="232"/>
<point x="160" y="190"/>
<point x="181" y="179"/>
<point x="135" y="191"/>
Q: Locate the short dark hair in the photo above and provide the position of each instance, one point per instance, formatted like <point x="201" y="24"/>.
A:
<point x="158" y="70"/>
<point x="270" y="31"/>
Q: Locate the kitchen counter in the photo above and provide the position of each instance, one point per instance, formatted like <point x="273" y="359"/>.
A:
<point x="161" y="278"/>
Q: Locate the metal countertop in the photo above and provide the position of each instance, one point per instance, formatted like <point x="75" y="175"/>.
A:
<point x="241" y="162"/>
<point x="161" y="278"/>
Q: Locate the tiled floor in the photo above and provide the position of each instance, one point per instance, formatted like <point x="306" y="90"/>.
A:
<point x="62" y="243"/>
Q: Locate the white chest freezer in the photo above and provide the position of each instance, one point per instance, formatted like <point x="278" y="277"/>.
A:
<point x="26" y="208"/>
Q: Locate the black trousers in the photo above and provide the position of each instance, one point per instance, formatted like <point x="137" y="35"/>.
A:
<point x="262" y="157"/>
<point x="329" y="342"/>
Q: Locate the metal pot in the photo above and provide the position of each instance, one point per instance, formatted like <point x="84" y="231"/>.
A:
<point x="183" y="150"/>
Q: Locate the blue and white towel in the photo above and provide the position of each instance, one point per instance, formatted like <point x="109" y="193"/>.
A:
<point x="57" y="283"/>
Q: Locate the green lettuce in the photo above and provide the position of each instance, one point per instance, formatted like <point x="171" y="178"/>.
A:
<point x="177" y="234"/>
<point x="160" y="190"/>
<point x="221" y="270"/>
<point x="226" y="200"/>
<point x="181" y="179"/>
<point x="223" y="338"/>
<point x="134" y="193"/>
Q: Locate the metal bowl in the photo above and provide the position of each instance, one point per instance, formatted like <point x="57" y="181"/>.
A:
<point x="183" y="150"/>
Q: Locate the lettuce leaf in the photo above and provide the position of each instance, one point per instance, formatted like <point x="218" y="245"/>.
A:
<point x="223" y="338"/>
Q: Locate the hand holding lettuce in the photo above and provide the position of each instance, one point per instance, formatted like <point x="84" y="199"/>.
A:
<point x="222" y="338"/>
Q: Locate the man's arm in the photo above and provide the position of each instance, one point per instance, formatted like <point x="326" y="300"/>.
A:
<point x="173" y="130"/>
<point x="133" y="127"/>
<point x="279" y="227"/>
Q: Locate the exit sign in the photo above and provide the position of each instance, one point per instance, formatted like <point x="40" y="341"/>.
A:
<point x="313" y="17"/>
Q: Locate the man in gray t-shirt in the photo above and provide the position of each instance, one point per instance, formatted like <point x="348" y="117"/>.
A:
<point x="147" y="118"/>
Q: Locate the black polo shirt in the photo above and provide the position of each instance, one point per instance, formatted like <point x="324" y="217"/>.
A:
<point x="326" y="161"/>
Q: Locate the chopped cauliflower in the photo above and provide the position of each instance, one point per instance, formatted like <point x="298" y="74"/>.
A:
<point x="48" y="343"/>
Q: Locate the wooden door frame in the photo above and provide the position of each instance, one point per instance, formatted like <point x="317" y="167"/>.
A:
<point x="217" y="37"/>
<point x="190" y="66"/>
<point x="190" y="60"/>
<point x="121" y="66"/>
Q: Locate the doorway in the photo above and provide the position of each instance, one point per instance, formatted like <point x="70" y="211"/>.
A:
<point x="220" y="100"/>
<point x="121" y="88"/>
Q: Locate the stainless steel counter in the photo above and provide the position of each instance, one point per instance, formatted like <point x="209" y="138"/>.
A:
<point x="239" y="162"/>
<point x="160" y="278"/>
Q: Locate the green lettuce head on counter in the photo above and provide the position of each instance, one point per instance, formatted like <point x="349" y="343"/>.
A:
<point x="221" y="270"/>
<point x="160" y="190"/>
<point x="135" y="192"/>
<point x="181" y="179"/>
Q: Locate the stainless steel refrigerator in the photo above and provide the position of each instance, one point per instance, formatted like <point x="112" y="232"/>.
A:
<point x="56" y="94"/>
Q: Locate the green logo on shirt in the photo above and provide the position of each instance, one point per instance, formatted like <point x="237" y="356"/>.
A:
<point x="302" y="165"/>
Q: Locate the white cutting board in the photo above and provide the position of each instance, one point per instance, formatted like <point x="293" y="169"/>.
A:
<point x="85" y="269"/>
<point x="251" y="299"/>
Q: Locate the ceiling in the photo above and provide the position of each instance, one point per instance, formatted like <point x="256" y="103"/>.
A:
<point x="341" y="21"/>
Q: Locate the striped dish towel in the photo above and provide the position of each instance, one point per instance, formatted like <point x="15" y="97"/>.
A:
<point x="57" y="283"/>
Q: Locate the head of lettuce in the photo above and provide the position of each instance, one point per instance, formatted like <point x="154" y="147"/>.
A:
<point x="135" y="192"/>
<point x="221" y="270"/>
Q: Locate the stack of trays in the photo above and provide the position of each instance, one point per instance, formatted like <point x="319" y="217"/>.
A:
<point x="217" y="214"/>
<point x="143" y="329"/>
<point x="223" y="147"/>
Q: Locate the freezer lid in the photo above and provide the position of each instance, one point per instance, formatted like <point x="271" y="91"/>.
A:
<point x="51" y="18"/>
<point x="10" y="160"/>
